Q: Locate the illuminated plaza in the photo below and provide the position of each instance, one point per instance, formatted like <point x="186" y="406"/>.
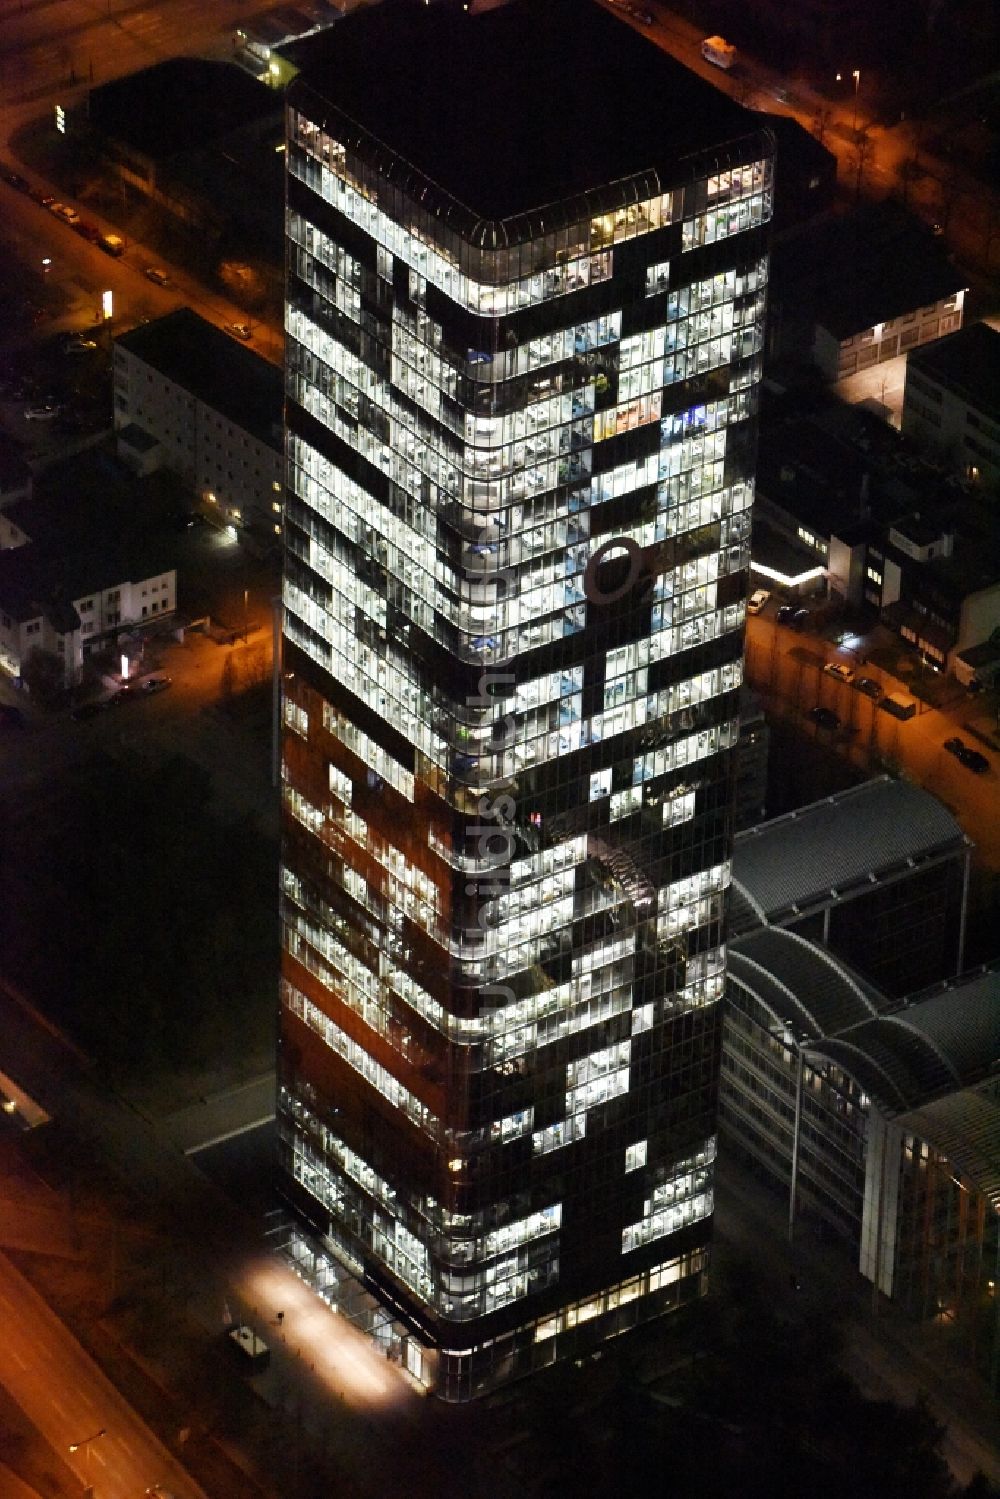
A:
<point x="521" y="375"/>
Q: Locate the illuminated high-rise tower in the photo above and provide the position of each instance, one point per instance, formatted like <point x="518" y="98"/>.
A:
<point x="526" y="280"/>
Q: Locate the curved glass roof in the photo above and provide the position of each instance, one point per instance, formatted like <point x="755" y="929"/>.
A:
<point x="803" y="985"/>
<point x="940" y="1041"/>
<point x="831" y="849"/>
<point x="965" y="1127"/>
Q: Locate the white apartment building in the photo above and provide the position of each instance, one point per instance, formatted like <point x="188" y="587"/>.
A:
<point x="191" y="398"/>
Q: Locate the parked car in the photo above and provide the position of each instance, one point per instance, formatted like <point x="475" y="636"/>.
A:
<point x="824" y="718"/>
<point x="240" y="330"/>
<point x="869" y="687"/>
<point x="838" y="670"/>
<point x="153" y="273"/>
<point x="966" y="755"/>
<point x="66" y="212"/>
<point x="41" y="413"/>
<point x="757" y="600"/>
<point x="154" y="684"/>
<point x="80" y="345"/>
<point x="14" y="179"/>
<point x="41" y="197"/>
<point x="785" y="614"/>
<point x="121" y="695"/>
<point x="800" y="619"/>
<point x="87" y="230"/>
<point x="89" y="710"/>
<point x="54" y="206"/>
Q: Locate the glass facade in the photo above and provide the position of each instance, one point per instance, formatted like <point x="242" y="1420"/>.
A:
<point x="520" y="471"/>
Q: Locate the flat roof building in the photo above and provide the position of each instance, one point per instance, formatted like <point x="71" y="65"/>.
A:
<point x="192" y="399"/>
<point x="854" y="289"/>
<point x="85" y="558"/>
<point x="952" y="400"/>
<point x="527" y="270"/>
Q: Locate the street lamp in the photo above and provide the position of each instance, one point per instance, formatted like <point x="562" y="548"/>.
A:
<point x="75" y="1446"/>
<point x="86" y="1444"/>
<point x="856" y="75"/>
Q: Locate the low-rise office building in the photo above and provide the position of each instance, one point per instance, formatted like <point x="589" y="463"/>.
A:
<point x="259" y="43"/>
<point x="939" y="578"/>
<point x="881" y="1121"/>
<point x="845" y="507"/>
<point x="869" y="1095"/>
<point x="192" y="399"/>
<point x="852" y="290"/>
<point x="165" y="134"/>
<point x="951" y="402"/>
<point x="81" y="562"/>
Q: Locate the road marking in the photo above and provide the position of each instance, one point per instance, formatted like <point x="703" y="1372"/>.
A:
<point x="232" y="1134"/>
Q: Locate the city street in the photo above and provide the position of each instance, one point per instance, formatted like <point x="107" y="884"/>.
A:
<point x="198" y="1261"/>
<point x="53" y="53"/>
<point x="786" y="668"/>
<point x="937" y="189"/>
<point x="70" y="1401"/>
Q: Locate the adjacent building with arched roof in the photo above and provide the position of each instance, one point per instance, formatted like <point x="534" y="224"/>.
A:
<point x="882" y="1120"/>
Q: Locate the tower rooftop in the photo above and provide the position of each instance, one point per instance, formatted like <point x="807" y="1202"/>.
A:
<point x="518" y="106"/>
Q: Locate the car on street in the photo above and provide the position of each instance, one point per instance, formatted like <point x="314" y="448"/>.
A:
<point x="41" y="197"/>
<point x="800" y="619"/>
<point x="838" y="670"/>
<point x="757" y="600"/>
<point x="80" y="345"/>
<point x="154" y="684"/>
<point x="966" y="755"/>
<point x="15" y="180"/>
<point x="824" y="718"/>
<point x="89" y="710"/>
<point x="153" y="273"/>
<point x="869" y="687"/>
<point x="240" y="330"/>
<point x="41" y="413"/>
<point x="785" y="614"/>
<point x="120" y="695"/>
<point x="87" y="230"/>
<point x="66" y="212"/>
